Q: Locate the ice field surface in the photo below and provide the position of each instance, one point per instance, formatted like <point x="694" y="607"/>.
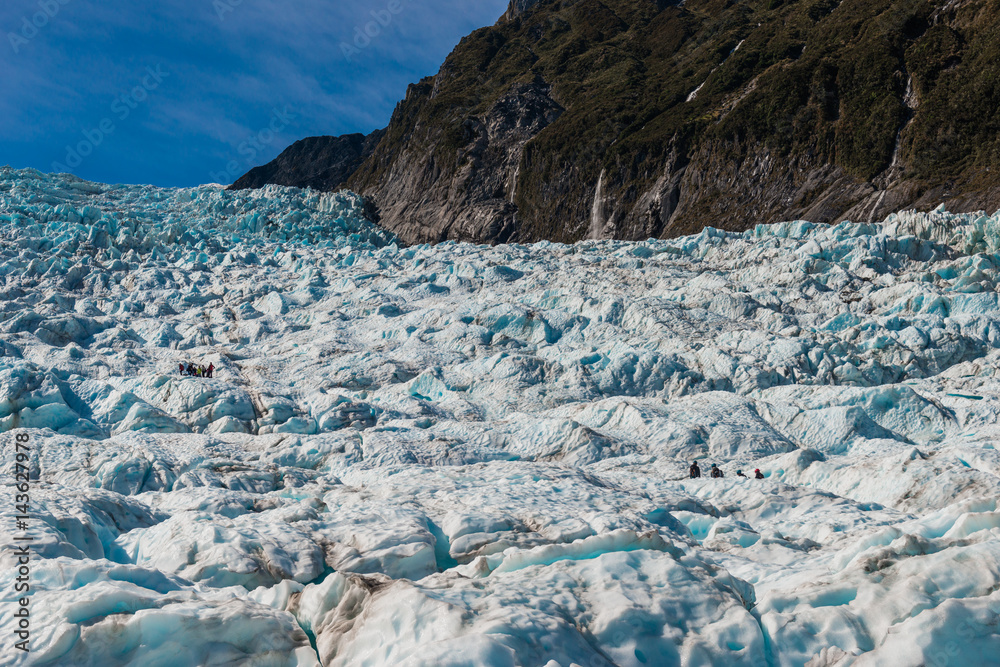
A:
<point x="456" y="454"/>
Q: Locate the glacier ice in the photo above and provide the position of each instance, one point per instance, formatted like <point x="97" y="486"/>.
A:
<point x="457" y="454"/>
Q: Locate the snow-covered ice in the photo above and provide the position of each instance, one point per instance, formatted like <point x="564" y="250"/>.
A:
<point x="465" y="455"/>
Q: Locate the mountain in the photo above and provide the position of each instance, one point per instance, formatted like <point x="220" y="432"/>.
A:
<point x="645" y="118"/>
<point x="321" y="163"/>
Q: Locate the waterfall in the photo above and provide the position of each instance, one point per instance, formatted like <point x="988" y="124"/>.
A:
<point x="597" y="210"/>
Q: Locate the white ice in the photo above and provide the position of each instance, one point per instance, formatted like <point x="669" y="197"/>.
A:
<point x="469" y="455"/>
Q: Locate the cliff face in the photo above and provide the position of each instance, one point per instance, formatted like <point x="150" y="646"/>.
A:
<point x="321" y="163"/>
<point x="634" y="118"/>
<point x="518" y="7"/>
<point x="456" y="181"/>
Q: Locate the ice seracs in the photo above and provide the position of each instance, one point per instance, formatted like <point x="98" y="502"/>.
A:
<point x="437" y="455"/>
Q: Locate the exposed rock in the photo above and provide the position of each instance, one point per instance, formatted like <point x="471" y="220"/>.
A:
<point x="476" y="201"/>
<point x="518" y="7"/>
<point x="636" y="118"/>
<point x="321" y="163"/>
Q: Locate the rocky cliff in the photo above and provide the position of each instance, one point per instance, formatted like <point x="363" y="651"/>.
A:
<point x="571" y="119"/>
<point x="321" y="163"/>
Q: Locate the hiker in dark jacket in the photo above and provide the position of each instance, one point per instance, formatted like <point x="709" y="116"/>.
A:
<point x="758" y="474"/>
<point x="182" y="369"/>
<point x="695" y="470"/>
<point x="739" y="473"/>
<point x="211" y="368"/>
<point x="716" y="472"/>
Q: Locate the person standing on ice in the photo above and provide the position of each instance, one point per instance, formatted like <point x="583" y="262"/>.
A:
<point x="182" y="369"/>
<point x="758" y="474"/>
<point x="695" y="470"/>
<point x="211" y="367"/>
<point x="716" y="472"/>
<point x="739" y="473"/>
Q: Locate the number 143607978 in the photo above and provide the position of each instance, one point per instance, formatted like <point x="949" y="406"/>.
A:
<point x="22" y="478"/>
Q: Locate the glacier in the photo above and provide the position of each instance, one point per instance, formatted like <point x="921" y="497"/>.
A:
<point x="468" y="455"/>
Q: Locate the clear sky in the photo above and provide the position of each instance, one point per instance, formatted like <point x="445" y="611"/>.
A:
<point x="174" y="92"/>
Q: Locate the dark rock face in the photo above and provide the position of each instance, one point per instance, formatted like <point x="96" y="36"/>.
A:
<point x="321" y="163"/>
<point x="574" y="119"/>
<point x="518" y="7"/>
<point x="474" y="199"/>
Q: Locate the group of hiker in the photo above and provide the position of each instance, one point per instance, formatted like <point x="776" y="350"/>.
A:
<point x="197" y="371"/>
<point x="717" y="473"/>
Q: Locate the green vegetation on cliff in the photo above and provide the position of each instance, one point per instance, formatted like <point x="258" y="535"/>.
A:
<point x="793" y="99"/>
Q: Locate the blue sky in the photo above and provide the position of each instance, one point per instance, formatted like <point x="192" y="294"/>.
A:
<point x="182" y="92"/>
